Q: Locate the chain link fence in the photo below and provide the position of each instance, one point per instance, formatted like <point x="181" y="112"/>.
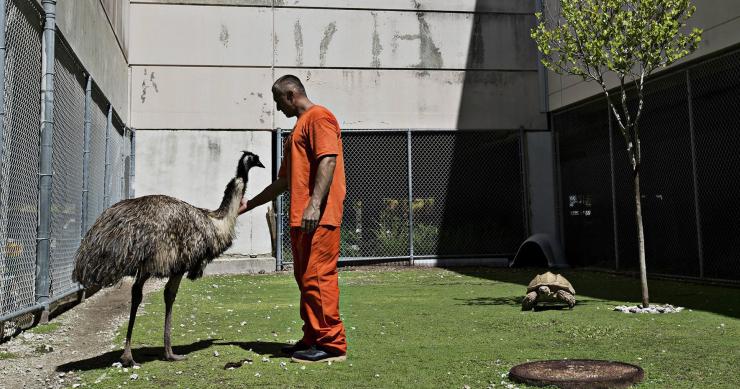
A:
<point x="689" y="176"/>
<point x="421" y="194"/>
<point x="20" y="156"/>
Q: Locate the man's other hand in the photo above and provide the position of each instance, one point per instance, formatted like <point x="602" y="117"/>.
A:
<point x="310" y="219"/>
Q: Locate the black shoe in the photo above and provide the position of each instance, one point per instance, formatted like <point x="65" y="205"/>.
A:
<point x="289" y="350"/>
<point x="315" y="354"/>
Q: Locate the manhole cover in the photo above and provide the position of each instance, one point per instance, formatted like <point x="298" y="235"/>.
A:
<point x="577" y="373"/>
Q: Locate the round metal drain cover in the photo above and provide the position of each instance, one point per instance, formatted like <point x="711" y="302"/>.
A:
<point x="577" y="373"/>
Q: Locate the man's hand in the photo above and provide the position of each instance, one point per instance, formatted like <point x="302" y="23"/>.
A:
<point x="310" y="219"/>
<point x="242" y="206"/>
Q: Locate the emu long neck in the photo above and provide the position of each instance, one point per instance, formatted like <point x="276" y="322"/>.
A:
<point x="224" y="218"/>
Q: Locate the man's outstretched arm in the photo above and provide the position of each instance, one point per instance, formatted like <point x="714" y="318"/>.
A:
<point x="268" y="194"/>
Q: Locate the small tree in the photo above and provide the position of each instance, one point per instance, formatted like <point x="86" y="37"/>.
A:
<point x="630" y="38"/>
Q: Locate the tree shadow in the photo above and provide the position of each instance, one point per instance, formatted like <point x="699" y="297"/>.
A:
<point x="610" y="288"/>
<point x="141" y="355"/>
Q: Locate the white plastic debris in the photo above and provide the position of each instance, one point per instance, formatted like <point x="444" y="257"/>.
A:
<point x="134" y="377"/>
<point x="117" y="365"/>
<point x="667" y="308"/>
<point x="215" y="353"/>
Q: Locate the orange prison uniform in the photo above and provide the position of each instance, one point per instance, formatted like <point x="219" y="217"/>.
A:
<point x="315" y="254"/>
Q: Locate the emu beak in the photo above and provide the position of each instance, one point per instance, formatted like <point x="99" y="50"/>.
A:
<point x="259" y="164"/>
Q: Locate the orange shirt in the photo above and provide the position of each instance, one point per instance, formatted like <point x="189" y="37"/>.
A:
<point x="315" y="134"/>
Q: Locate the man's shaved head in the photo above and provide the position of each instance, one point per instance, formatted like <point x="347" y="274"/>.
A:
<point x="287" y="83"/>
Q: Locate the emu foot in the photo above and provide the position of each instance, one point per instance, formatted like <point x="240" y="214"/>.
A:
<point x="172" y="357"/>
<point x="128" y="361"/>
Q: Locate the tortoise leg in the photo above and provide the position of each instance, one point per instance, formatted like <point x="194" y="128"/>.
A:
<point x="567" y="298"/>
<point x="529" y="301"/>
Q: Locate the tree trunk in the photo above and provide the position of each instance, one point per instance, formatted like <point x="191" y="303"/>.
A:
<point x="641" y="239"/>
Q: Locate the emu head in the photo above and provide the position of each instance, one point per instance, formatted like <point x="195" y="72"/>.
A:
<point x="247" y="161"/>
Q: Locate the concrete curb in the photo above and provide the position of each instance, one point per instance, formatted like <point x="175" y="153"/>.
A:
<point x="241" y="265"/>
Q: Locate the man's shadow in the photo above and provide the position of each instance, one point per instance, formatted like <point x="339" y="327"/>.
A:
<point x="269" y="349"/>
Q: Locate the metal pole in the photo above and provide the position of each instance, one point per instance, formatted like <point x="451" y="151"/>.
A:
<point x="107" y="181"/>
<point x="86" y="155"/>
<point x="4" y="187"/>
<point x="278" y="203"/>
<point x="614" y="187"/>
<point x="699" y="239"/>
<point x="411" y="196"/>
<point x="45" y="159"/>
<point x="132" y="165"/>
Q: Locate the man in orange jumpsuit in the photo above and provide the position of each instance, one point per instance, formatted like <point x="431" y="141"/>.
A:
<point x="313" y="170"/>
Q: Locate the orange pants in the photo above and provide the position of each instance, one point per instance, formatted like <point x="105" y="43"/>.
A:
<point x="315" y="257"/>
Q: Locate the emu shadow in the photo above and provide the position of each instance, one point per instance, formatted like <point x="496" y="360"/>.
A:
<point x="142" y="354"/>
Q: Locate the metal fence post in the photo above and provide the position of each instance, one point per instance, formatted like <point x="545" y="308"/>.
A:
<point x="695" y="176"/>
<point x="86" y="155"/>
<point x="106" y="180"/>
<point x="43" y="248"/>
<point x="132" y="165"/>
<point x="411" y="196"/>
<point x="278" y="202"/>
<point x="525" y="180"/>
<point x="614" y="187"/>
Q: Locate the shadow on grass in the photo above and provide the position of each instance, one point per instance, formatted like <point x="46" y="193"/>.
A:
<point x="271" y="349"/>
<point x="616" y="289"/>
<point x="141" y="355"/>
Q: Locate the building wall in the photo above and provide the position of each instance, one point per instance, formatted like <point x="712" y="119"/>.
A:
<point x="98" y="37"/>
<point x="720" y="20"/>
<point x="203" y="70"/>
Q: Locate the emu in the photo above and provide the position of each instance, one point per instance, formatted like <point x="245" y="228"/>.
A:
<point x="159" y="236"/>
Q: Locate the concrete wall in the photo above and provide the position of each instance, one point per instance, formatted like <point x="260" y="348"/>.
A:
<point x="204" y="69"/>
<point x="720" y="20"/>
<point x="99" y="45"/>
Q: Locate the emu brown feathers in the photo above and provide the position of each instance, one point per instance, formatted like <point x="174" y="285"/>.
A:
<point x="159" y="236"/>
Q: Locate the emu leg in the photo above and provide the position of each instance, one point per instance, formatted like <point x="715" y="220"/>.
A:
<point x="136" y="294"/>
<point x="567" y="298"/>
<point x="529" y="301"/>
<point x="170" y="292"/>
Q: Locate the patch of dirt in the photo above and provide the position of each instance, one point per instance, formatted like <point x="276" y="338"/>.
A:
<point x="83" y="332"/>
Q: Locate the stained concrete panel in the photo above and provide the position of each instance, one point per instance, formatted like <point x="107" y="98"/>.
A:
<point x="102" y="57"/>
<point x="507" y="6"/>
<point x="200" y="35"/>
<point x="201" y="98"/>
<point x="511" y="6"/>
<point x="367" y="99"/>
<point x="383" y="39"/>
<point x="195" y="166"/>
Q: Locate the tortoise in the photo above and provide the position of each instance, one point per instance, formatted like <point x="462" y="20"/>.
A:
<point x="548" y="287"/>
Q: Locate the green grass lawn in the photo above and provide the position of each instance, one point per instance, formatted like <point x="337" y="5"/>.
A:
<point x="429" y="328"/>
